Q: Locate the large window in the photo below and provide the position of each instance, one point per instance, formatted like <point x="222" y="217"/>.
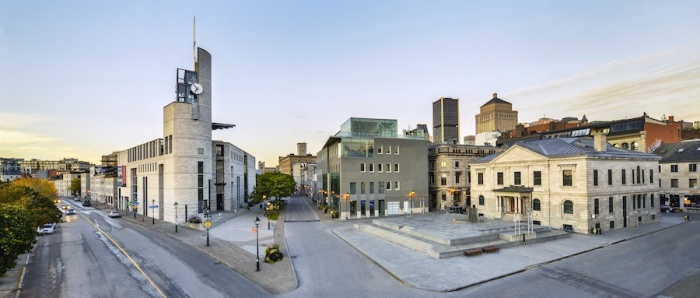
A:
<point x="480" y="178"/>
<point x="536" y="204"/>
<point x="610" y="177"/>
<point x="443" y="164"/>
<point x="457" y="175"/>
<point x="380" y="187"/>
<point x="537" y="177"/>
<point x="499" y="178"/>
<point x="692" y="183"/>
<point x="674" y="183"/>
<point x="595" y="177"/>
<point x="481" y="200"/>
<point x="353" y="188"/>
<point x="362" y="188"/>
<point x="443" y="178"/>
<point x="516" y="178"/>
<point x="568" y="207"/>
<point x="674" y="168"/>
<point x="567" y="178"/>
<point x="692" y="167"/>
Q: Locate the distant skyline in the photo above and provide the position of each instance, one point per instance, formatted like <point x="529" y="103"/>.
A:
<point x="82" y="79"/>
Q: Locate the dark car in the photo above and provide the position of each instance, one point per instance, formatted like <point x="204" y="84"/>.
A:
<point x="456" y="209"/>
<point x="667" y="208"/>
<point x="86" y="203"/>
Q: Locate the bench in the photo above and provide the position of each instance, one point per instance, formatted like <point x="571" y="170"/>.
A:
<point x="472" y="252"/>
<point x="491" y="249"/>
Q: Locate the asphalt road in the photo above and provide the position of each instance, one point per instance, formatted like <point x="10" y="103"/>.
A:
<point x="91" y="255"/>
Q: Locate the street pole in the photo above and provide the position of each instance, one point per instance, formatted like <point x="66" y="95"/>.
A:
<point x="257" y="242"/>
<point x="153" y="212"/>
<point x="175" y="217"/>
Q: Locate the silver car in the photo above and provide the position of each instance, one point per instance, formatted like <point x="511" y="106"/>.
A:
<point x="113" y="213"/>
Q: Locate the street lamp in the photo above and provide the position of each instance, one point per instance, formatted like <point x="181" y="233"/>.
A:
<point x="257" y="242"/>
<point x="266" y="215"/>
<point x="175" y="217"/>
<point x="207" y="223"/>
<point x="345" y="198"/>
<point x="411" y="195"/>
<point x="153" y="212"/>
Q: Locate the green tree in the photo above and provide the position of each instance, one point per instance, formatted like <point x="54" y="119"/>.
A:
<point x="36" y="195"/>
<point x="17" y="235"/>
<point x="75" y="187"/>
<point x="275" y="184"/>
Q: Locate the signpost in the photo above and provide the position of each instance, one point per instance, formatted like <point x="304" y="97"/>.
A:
<point x="153" y="212"/>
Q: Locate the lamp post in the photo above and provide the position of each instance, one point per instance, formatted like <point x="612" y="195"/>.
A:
<point x="266" y="215"/>
<point x="257" y="242"/>
<point x="153" y="212"/>
<point x="345" y="198"/>
<point x="175" y="217"/>
<point x="207" y="223"/>
<point x="411" y="195"/>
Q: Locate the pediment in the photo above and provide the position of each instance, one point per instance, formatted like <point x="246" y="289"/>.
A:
<point x="517" y="154"/>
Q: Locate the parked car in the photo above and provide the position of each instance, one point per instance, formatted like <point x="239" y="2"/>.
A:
<point x="76" y="199"/>
<point x="666" y="208"/>
<point x="70" y="211"/>
<point x="46" y="229"/>
<point x="114" y="213"/>
<point x="86" y="203"/>
<point x="456" y="209"/>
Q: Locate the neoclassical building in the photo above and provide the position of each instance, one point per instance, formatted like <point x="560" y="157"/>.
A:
<point x="573" y="184"/>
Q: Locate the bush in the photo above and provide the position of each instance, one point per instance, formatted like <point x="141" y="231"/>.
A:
<point x="273" y="254"/>
<point x="194" y="219"/>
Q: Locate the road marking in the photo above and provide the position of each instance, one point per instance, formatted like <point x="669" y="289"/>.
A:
<point x="127" y="256"/>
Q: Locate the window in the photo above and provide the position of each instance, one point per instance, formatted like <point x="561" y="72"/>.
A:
<point x="596" y="206"/>
<point x="380" y="149"/>
<point x="537" y="177"/>
<point x="371" y="188"/>
<point x="674" y="168"/>
<point x="609" y="177"/>
<point x="610" y="205"/>
<point x="651" y="200"/>
<point x="362" y="188"/>
<point x="371" y="167"/>
<point x="568" y="207"/>
<point x="396" y="167"/>
<point x="379" y="167"/>
<point x="693" y="167"/>
<point x="674" y="183"/>
<point x="380" y="187"/>
<point x="595" y="177"/>
<point x="353" y="188"/>
<point x="443" y="178"/>
<point x="388" y="150"/>
<point x="516" y="178"/>
<point x="612" y="225"/>
<point x="480" y="178"/>
<point x="499" y="178"/>
<point x="388" y="185"/>
<point x="456" y="164"/>
<point x="481" y="200"/>
<point x="362" y="167"/>
<point x="443" y="164"/>
<point x="388" y="168"/>
<point x="692" y="183"/>
<point x="639" y="173"/>
<point x="624" y="177"/>
<point x="396" y="149"/>
<point x="567" y="176"/>
<point x="536" y="204"/>
<point x="651" y="176"/>
<point x="457" y="175"/>
<point x="396" y="185"/>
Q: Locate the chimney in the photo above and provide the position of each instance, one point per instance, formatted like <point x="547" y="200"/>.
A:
<point x="670" y="119"/>
<point x="600" y="142"/>
<point x="495" y="95"/>
<point x="301" y="149"/>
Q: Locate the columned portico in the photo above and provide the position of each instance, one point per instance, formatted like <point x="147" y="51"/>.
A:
<point x="514" y="202"/>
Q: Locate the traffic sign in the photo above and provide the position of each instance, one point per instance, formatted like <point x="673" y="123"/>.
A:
<point x="207" y="224"/>
<point x="134" y="203"/>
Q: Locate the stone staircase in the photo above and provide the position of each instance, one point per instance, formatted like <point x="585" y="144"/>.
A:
<point x="405" y="241"/>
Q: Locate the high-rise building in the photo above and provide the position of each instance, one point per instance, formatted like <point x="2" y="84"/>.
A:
<point x="496" y="115"/>
<point x="446" y="121"/>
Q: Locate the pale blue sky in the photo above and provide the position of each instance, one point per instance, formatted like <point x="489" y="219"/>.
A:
<point x="85" y="78"/>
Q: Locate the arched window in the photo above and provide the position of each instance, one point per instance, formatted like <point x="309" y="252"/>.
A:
<point x="568" y="207"/>
<point x="536" y="204"/>
<point x="625" y="146"/>
<point x="481" y="200"/>
<point x="635" y="146"/>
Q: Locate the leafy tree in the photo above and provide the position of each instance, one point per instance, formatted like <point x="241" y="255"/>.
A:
<point x="17" y="234"/>
<point x="75" y="187"/>
<point x="275" y="184"/>
<point x="37" y="198"/>
<point x="42" y="186"/>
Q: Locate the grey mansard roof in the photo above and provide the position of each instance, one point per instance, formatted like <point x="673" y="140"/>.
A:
<point x="685" y="151"/>
<point x="570" y="147"/>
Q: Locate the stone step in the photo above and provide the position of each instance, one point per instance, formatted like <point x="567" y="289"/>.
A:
<point x="404" y="241"/>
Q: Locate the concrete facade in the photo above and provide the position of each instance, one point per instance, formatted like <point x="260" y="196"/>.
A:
<point x="679" y="174"/>
<point x="446" y="121"/>
<point x="370" y="170"/>
<point x="569" y="184"/>
<point x="496" y="115"/>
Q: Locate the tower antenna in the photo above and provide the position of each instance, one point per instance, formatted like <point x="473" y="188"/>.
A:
<point x="194" y="41"/>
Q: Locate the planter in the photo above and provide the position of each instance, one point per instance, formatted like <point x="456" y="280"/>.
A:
<point x="196" y="226"/>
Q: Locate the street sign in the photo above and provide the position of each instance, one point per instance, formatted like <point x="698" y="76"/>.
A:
<point x="255" y="230"/>
<point x="153" y="206"/>
<point x="134" y="203"/>
<point x="207" y="224"/>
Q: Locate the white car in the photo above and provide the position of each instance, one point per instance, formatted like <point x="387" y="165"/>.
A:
<point x="46" y="229"/>
<point x="113" y="213"/>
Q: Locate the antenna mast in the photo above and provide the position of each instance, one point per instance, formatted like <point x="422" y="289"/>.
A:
<point x="194" y="42"/>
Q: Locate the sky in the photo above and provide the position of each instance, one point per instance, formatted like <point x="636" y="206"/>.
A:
<point x="82" y="79"/>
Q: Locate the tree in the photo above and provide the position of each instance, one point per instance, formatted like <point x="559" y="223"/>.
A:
<point x="17" y="235"/>
<point x="275" y="184"/>
<point x="35" y="195"/>
<point x="75" y="186"/>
